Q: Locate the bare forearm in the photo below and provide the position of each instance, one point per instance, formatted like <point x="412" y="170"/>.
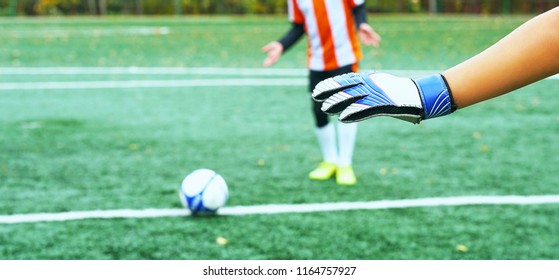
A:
<point x="528" y="54"/>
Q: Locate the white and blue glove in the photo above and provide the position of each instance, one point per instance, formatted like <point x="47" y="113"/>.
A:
<point x="359" y="96"/>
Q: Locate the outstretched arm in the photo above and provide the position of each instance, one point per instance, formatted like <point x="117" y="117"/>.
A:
<point x="526" y="55"/>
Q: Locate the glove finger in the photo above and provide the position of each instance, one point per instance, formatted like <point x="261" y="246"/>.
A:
<point x="341" y="100"/>
<point x="361" y="110"/>
<point x="331" y="86"/>
<point x="369" y="107"/>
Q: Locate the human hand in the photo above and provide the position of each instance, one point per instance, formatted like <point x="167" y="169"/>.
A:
<point x="359" y="96"/>
<point x="368" y="35"/>
<point x="274" y="50"/>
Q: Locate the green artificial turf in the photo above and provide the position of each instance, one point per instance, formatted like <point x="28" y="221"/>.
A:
<point x="102" y="149"/>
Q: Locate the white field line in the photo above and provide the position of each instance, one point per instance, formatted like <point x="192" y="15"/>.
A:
<point x="225" y="71"/>
<point x="91" y="32"/>
<point x="153" y="84"/>
<point x="285" y="208"/>
<point x="299" y="77"/>
<point x="296" y="72"/>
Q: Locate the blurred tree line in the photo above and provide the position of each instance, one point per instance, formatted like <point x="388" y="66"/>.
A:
<point x="197" y="7"/>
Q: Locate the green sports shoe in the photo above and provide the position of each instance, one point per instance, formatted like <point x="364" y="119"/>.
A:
<point x="345" y="176"/>
<point x="324" y="171"/>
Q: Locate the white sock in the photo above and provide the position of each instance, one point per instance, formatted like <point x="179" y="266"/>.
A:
<point x="346" y="139"/>
<point x="327" y="140"/>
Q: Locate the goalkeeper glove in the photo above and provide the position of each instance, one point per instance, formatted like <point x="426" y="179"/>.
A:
<point x="359" y="96"/>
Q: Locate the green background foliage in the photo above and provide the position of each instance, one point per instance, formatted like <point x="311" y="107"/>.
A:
<point x="199" y="7"/>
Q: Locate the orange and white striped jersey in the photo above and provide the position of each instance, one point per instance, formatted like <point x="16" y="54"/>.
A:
<point x="331" y="31"/>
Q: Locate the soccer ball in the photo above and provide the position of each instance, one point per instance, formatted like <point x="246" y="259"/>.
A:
<point x="203" y="192"/>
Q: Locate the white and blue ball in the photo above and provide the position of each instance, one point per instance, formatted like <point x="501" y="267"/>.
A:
<point x="203" y="191"/>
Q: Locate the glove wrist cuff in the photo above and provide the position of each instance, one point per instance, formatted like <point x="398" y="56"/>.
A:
<point x="435" y="96"/>
<point x="453" y="106"/>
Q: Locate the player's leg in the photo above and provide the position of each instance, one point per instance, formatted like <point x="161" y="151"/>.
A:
<point x="346" y="140"/>
<point x="347" y="133"/>
<point x="326" y="136"/>
<point x="337" y="157"/>
<point x="526" y="55"/>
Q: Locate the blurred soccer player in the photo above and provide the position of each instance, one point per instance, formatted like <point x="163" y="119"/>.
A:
<point x="526" y="55"/>
<point x="333" y="28"/>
